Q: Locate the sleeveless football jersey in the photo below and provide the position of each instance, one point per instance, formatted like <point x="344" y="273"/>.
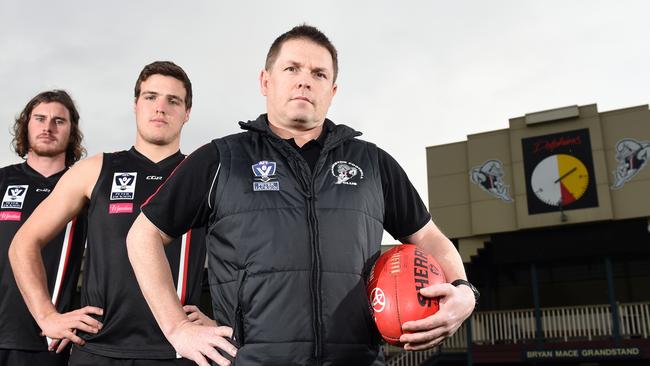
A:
<point x="126" y="180"/>
<point x="22" y="189"/>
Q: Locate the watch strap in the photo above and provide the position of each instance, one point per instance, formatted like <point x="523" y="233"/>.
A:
<point x="477" y="294"/>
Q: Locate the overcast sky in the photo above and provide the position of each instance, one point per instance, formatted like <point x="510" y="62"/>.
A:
<point x="412" y="73"/>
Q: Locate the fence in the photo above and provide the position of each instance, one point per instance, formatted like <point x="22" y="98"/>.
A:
<point x="590" y="322"/>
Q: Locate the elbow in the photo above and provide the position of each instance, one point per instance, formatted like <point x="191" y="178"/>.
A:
<point x="136" y="238"/>
<point x="131" y="239"/>
<point x="13" y="252"/>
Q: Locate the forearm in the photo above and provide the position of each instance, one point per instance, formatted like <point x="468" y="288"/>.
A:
<point x="145" y="245"/>
<point x="434" y="242"/>
<point x="29" y="271"/>
<point x="448" y="257"/>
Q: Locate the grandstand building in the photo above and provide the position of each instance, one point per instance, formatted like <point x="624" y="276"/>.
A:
<point x="551" y="217"/>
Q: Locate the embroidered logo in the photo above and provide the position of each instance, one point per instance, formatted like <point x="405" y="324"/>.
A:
<point x="346" y="173"/>
<point x="123" y="187"/>
<point x="264" y="176"/>
<point x="632" y="156"/>
<point x="14" y="196"/>
<point x="489" y="177"/>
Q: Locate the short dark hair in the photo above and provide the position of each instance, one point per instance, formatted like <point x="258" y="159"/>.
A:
<point x="307" y="32"/>
<point x="166" y="68"/>
<point x="20" y="141"/>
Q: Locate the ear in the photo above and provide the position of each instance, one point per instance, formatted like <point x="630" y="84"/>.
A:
<point x="264" y="81"/>
<point x="187" y="115"/>
<point x="335" y="87"/>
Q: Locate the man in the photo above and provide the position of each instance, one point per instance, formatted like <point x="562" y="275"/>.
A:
<point x="114" y="185"/>
<point x="296" y="208"/>
<point x="47" y="136"/>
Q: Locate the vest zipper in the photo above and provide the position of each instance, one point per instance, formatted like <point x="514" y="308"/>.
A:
<point x="298" y="165"/>
<point x="312" y="221"/>
<point x="316" y="277"/>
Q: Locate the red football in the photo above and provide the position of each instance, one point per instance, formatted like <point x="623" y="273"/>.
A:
<point x="393" y="289"/>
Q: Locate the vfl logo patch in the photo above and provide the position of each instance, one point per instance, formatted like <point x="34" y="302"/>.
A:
<point x="118" y="208"/>
<point x="123" y="187"/>
<point x="346" y="173"/>
<point x="264" y="176"/>
<point x="632" y="156"/>
<point x="489" y="177"/>
<point x="14" y="197"/>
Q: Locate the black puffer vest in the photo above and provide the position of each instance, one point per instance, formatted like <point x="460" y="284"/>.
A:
<point x="289" y="251"/>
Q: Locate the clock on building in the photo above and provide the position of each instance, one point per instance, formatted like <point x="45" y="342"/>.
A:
<point x="559" y="172"/>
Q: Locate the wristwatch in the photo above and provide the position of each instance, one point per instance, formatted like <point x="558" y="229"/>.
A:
<point x="477" y="294"/>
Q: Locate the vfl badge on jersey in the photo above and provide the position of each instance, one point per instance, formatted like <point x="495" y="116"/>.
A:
<point x="264" y="176"/>
<point x="346" y="173"/>
<point x="14" y="197"/>
<point x="123" y="186"/>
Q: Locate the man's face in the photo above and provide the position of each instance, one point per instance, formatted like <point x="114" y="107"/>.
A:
<point x="160" y="111"/>
<point x="299" y="86"/>
<point x="48" y="129"/>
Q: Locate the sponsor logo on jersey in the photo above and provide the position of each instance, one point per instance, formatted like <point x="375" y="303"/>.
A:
<point x="10" y="215"/>
<point x="631" y="157"/>
<point x="119" y="208"/>
<point x="489" y="177"/>
<point x="346" y="173"/>
<point x="154" y="177"/>
<point x="123" y="186"/>
<point x="264" y="179"/>
<point x="46" y="190"/>
<point x="14" y="197"/>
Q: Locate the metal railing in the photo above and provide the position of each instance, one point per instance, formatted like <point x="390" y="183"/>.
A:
<point x="590" y="322"/>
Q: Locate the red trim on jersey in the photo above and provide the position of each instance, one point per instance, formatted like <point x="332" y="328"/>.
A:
<point x="67" y="258"/>
<point x="186" y="255"/>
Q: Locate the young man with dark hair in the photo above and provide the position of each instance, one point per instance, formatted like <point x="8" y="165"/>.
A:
<point x="47" y="136"/>
<point x="296" y="207"/>
<point x="120" y="328"/>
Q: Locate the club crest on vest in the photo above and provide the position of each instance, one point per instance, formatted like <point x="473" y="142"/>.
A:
<point x="123" y="187"/>
<point x="14" y="196"/>
<point x="346" y="173"/>
<point x="631" y="157"/>
<point x="264" y="179"/>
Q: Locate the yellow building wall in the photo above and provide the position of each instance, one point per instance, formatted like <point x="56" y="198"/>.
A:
<point x="463" y="209"/>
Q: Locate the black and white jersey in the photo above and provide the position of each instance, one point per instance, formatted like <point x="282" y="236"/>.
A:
<point x="22" y="189"/>
<point x="126" y="180"/>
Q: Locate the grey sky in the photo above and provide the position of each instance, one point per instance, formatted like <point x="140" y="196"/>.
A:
<point x="412" y="73"/>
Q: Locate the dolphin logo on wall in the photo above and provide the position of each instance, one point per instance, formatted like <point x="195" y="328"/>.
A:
<point x="489" y="177"/>
<point x="632" y="156"/>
